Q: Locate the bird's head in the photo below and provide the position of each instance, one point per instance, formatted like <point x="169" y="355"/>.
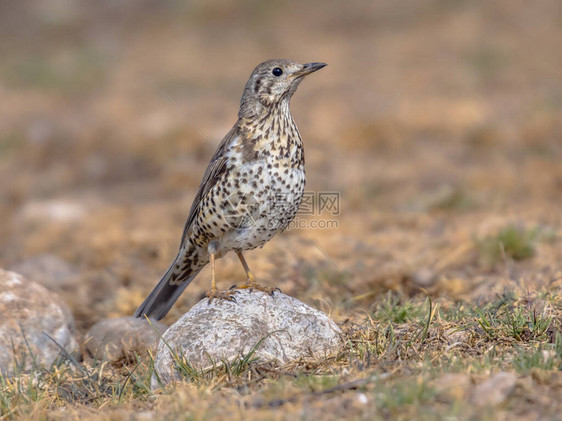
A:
<point x="272" y="82"/>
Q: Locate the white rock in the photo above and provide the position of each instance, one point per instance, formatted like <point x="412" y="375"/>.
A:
<point x="424" y="277"/>
<point x="362" y="398"/>
<point x="121" y="338"/>
<point x="225" y="330"/>
<point x="28" y="311"/>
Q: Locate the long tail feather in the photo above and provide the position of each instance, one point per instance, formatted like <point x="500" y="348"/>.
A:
<point x="164" y="295"/>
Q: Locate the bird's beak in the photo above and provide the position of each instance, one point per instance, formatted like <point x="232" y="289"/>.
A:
<point x="309" y="68"/>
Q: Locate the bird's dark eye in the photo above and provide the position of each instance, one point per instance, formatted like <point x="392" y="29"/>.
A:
<point x="277" y="72"/>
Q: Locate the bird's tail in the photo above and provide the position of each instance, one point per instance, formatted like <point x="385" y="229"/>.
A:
<point x="165" y="294"/>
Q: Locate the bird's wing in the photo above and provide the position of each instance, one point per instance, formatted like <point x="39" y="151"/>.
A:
<point x="214" y="170"/>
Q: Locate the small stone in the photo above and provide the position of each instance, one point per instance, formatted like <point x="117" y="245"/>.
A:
<point x="52" y="211"/>
<point x="28" y="312"/>
<point x="424" y="277"/>
<point x="495" y="390"/>
<point x="548" y="354"/>
<point x="362" y="398"/>
<point x="145" y="416"/>
<point x="48" y="270"/>
<point x="122" y="338"/>
<point x="456" y="336"/>
<point x="277" y="328"/>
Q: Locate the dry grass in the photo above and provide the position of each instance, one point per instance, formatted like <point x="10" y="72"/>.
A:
<point x="391" y="366"/>
<point x="445" y="266"/>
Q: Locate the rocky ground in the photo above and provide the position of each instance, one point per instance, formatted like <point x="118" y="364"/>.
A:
<point x="437" y="124"/>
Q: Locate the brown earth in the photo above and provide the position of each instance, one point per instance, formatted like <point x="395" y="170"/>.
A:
<point x="437" y="123"/>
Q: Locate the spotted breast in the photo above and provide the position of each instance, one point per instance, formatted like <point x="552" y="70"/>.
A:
<point x="252" y="188"/>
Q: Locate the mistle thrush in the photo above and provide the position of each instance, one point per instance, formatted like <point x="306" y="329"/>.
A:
<point x="251" y="189"/>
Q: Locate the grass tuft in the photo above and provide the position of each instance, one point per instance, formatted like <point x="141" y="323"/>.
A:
<point x="393" y="360"/>
<point x="510" y="242"/>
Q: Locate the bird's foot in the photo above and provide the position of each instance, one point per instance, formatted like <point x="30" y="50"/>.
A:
<point x="255" y="286"/>
<point x="221" y="295"/>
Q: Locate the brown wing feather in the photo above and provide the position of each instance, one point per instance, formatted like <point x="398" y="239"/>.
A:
<point x="214" y="170"/>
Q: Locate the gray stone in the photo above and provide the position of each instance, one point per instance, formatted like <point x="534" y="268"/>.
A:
<point x="47" y="211"/>
<point x="48" y="270"/>
<point x="28" y="311"/>
<point x="456" y="336"/>
<point x="122" y="338"/>
<point x="279" y="328"/>
<point x="424" y="277"/>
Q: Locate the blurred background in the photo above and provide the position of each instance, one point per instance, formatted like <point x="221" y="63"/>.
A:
<point x="439" y="124"/>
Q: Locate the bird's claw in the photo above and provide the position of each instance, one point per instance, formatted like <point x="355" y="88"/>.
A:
<point x="222" y="295"/>
<point x="258" y="287"/>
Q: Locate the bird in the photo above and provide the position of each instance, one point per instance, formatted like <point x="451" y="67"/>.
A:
<point x="251" y="189"/>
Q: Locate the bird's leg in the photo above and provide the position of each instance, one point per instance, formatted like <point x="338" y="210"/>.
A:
<point x="251" y="281"/>
<point x="213" y="279"/>
<point x="214" y="292"/>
